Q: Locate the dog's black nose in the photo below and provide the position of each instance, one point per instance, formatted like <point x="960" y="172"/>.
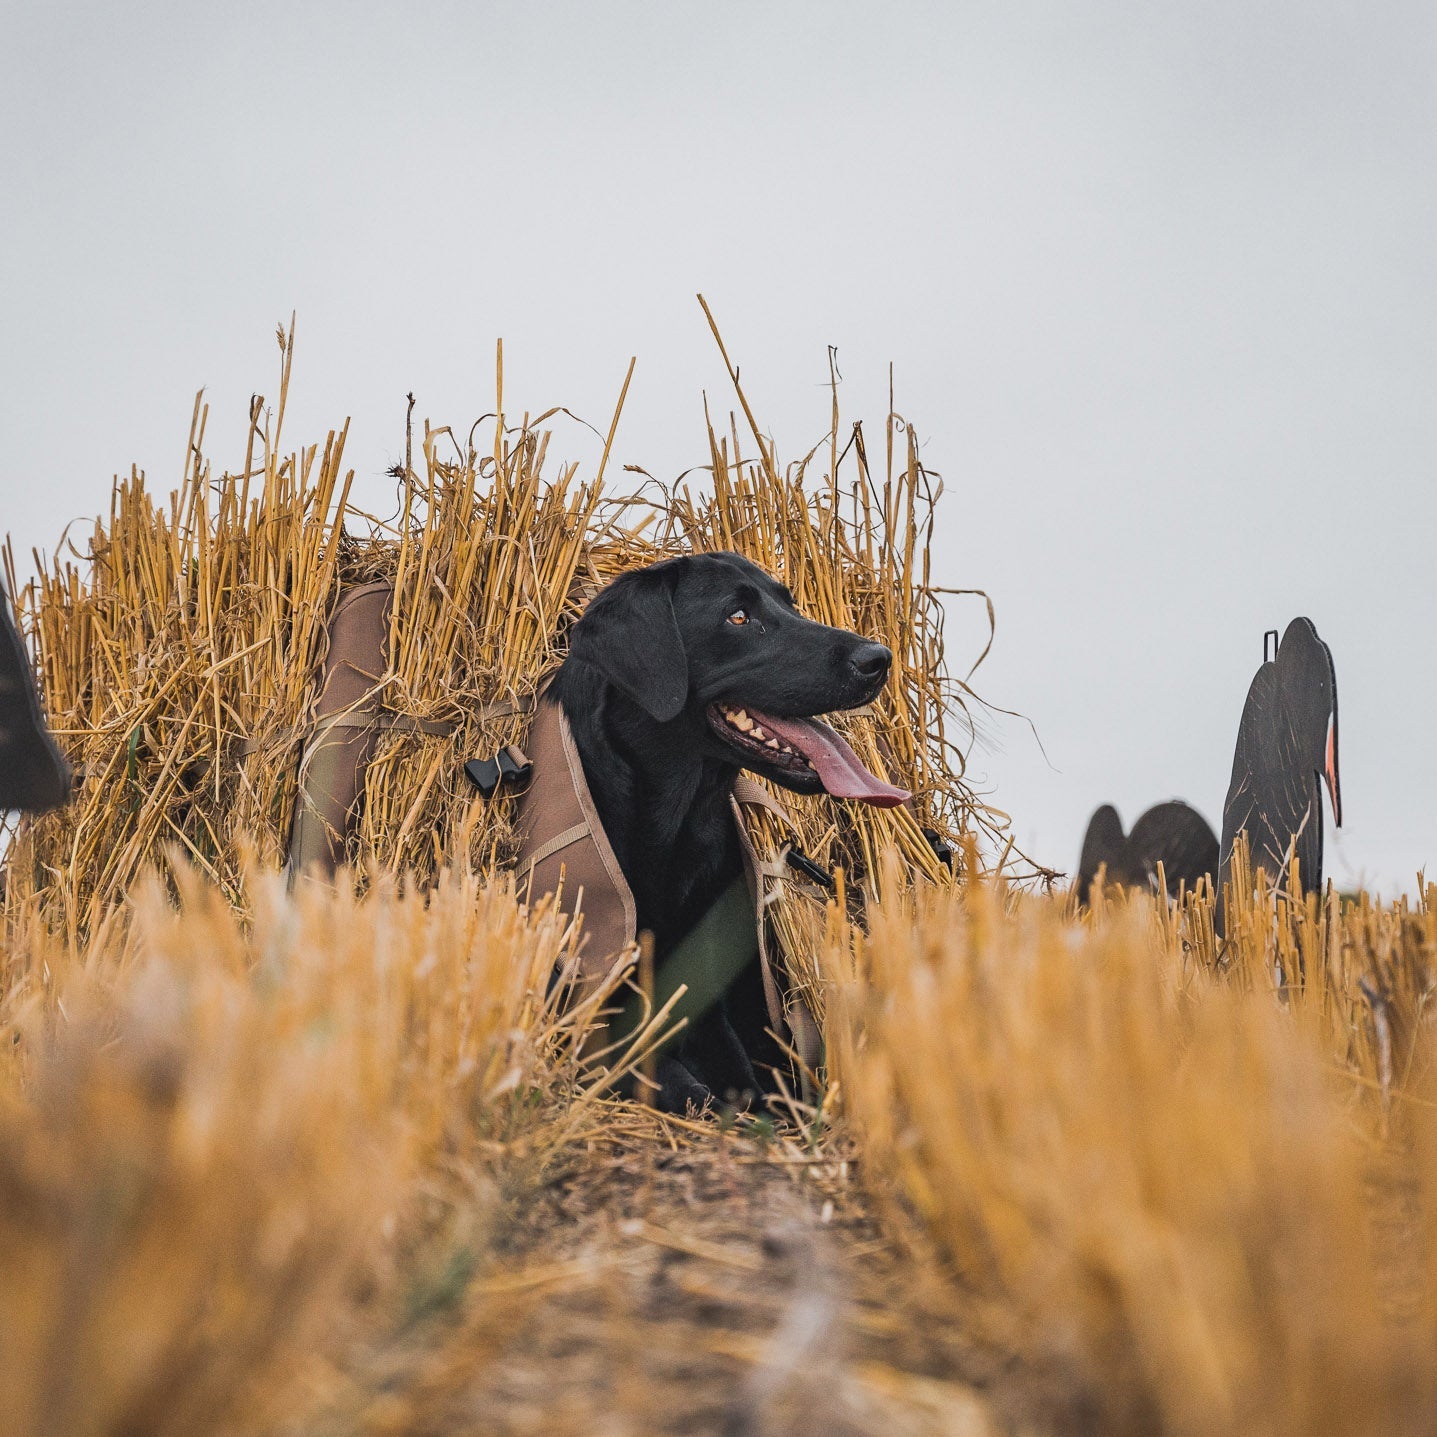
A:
<point x="870" y="662"/>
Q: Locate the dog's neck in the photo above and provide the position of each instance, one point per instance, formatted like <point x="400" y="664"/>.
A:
<point x="664" y="806"/>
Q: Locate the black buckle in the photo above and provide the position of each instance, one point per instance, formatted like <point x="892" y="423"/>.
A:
<point x="941" y="851"/>
<point x="509" y="768"/>
<point x="797" y="858"/>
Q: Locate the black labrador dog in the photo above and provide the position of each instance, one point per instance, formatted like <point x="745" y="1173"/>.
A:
<point x="677" y="677"/>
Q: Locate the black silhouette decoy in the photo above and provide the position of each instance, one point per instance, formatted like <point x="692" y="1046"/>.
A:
<point x="1172" y="834"/>
<point x="34" y="776"/>
<point x="1286" y="748"/>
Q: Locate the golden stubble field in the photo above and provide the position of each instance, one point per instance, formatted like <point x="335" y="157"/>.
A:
<point x="325" y="1160"/>
<point x="330" y="1165"/>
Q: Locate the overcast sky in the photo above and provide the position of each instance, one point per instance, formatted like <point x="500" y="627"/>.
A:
<point x="1157" y="279"/>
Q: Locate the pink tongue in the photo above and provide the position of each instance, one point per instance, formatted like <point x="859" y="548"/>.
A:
<point x="839" y="768"/>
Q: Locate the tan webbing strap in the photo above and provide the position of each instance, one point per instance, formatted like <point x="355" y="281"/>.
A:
<point x="555" y="844"/>
<point x="792" y="1012"/>
<point x="752" y="795"/>
<point x="776" y="869"/>
<point x="388" y="719"/>
<point x="746" y="791"/>
<point x="557" y="807"/>
<point x="602" y="846"/>
<point x="383" y="718"/>
<point x="772" y="997"/>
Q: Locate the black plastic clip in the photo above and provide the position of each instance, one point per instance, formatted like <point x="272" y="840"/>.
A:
<point x="797" y="858"/>
<point x="509" y="768"/>
<point x="941" y="851"/>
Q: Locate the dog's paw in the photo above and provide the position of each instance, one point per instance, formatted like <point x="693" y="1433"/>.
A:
<point x="679" y="1091"/>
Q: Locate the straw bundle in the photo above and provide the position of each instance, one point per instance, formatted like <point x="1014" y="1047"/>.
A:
<point x="485" y="569"/>
<point x="180" y="662"/>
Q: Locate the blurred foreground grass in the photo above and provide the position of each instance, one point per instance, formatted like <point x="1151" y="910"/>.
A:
<point x="1192" y="1183"/>
<point x="247" y="1159"/>
<point x="238" y="1149"/>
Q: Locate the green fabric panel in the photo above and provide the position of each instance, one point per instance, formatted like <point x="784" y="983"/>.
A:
<point x="717" y="949"/>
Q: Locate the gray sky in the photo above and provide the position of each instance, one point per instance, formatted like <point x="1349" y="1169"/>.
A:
<point x="1158" y="281"/>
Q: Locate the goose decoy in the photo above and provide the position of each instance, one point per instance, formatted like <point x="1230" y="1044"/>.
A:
<point x="34" y="776"/>
<point x="1286" y="748"/>
<point x="1172" y="834"/>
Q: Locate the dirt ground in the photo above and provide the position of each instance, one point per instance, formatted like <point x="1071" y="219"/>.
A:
<point x="675" y="1278"/>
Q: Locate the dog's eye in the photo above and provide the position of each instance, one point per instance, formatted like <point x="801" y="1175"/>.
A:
<point x="738" y="617"/>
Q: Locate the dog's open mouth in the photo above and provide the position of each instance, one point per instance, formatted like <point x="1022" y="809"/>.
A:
<point x="804" y="748"/>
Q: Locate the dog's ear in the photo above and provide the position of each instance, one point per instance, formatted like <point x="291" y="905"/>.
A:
<point x="630" y="634"/>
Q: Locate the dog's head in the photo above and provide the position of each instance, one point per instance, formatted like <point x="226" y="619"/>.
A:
<point x="712" y="645"/>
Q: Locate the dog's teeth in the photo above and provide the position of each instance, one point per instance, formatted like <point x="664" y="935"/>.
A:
<point x="743" y="721"/>
<point x="757" y="731"/>
<point x="772" y="743"/>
